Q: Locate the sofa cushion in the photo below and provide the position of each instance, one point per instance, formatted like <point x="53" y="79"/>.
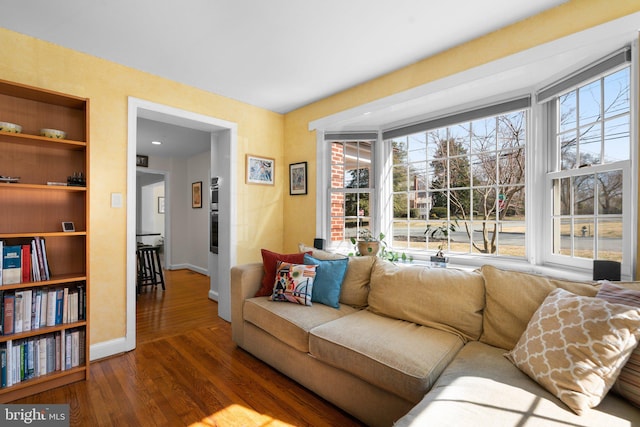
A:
<point x="398" y="356"/>
<point x="628" y="382"/>
<point x="294" y="283"/>
<point x="575" y="346"/>
<point x="482" y="388"/>
<point x="355" y="287"/>
<point x="447" y="299"/>
<point x="270" y="265"/>
<point x="290" y="323"/>
<point x="511" y="299"/>
<point x="328" y="281"/>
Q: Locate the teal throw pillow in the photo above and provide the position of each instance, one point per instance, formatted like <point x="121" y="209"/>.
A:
<point x="328" y="281"/>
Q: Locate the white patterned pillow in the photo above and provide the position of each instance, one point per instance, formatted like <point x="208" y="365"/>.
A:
<point x="294" y="283"/>
<point x="575" y="346"/>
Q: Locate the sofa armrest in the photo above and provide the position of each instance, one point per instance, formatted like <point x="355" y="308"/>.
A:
<point x="245" y="282"/>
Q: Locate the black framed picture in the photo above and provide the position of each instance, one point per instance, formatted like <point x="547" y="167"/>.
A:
<point x="142" y="161"/>
<point x="298" y="178"/>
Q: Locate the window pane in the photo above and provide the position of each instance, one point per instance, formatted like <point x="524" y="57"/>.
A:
<point x="616" y="139"/>
<point x="584" y="194"/>
<point x="511" y="166"/>
<point x="589" y="103"/>
<point x="400" y="234"/>
<point x="399" y="150"/>
<point x="483" y="135"/>
<point x="459" y="172"/>
<point x="610" y="192"/>
<point x="511" y="130"/>
<point x="437" y="143"/>
<point x="484" y="203"/>
<point x="418" y="176"/>
<point x="483" y="169"/>
<point x="590" y="143"/>
<point x="568" y="111"/>
<point x="568" y="145"/>
<point x="610" y="239"/>
<point x="583" y="237"/>
<point x="616" y="93"/>
<point x="460" y="204"/>
<point x="459" y="137"/>
<point x="511" y="238"/>
<point x="400" y="206"/>
<point x="417" y="148"/>
<point x="562" y="236"/>
<point x="400" y="178"/>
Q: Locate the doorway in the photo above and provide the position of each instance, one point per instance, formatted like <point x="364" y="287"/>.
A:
<point x="151" y="211"/>
<point x="223" y="164"/>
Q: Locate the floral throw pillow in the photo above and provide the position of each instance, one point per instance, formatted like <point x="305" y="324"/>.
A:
<point x="294" y="283"/>
<point x="575" y="346"/>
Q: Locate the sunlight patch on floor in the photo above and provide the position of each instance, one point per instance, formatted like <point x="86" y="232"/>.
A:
<point x="238" y="415"/>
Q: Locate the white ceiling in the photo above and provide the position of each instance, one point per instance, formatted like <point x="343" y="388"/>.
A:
<point x="276" y="54"/>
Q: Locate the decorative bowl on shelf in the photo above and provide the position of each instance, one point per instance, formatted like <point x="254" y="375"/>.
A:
<point x="10" y="127"/>
<point x="53" y="133"/>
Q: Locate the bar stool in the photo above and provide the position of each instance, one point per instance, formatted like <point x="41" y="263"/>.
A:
<point x="149" y="268"/>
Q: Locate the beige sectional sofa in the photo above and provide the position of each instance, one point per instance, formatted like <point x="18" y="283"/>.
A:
<point x="413" y="346"/>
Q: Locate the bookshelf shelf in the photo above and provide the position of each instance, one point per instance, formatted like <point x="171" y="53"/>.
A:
<point x="33" y="210"/>
<point x="41" y="331"/>
<point x="17" y="186"/>
<point x="42" y="141"/>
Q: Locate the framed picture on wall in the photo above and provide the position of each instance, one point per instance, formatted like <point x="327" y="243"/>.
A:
<point x="142" y="161"/>
<point x="298" y="178"/>
<point x="196" y="195"/>
<point x="260" y="170"/>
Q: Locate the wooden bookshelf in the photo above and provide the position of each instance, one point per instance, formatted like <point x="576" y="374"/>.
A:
<point x="36" y="206"/>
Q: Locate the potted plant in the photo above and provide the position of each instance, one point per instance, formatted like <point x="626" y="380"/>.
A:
<point x="366" y="243"/>
<point x="441" y="233"/>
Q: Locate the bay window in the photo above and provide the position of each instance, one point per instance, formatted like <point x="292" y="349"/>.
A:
<point x="550" y="183"/>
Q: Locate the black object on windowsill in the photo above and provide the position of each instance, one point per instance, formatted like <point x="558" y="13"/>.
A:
<point x="606" y="270"/>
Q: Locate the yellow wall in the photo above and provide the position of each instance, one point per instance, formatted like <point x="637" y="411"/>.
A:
<point x="33" y="62"/>
<point x="300" y="144"/>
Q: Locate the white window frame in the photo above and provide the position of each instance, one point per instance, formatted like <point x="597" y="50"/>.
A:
<point x="537" y="187"/>
<point x="548" y="157"/>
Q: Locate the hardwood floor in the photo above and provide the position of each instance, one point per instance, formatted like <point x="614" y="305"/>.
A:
<point x="186" y="371"/>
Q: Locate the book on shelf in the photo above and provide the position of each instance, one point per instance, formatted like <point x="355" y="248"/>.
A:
<point x="33" y="357"/>
<point x="26" y="263"/>
<point x="17" y="312"/>
<point x="29" y="309"/>
<point x="8" y="314"/>
<point x="11" y="264"/>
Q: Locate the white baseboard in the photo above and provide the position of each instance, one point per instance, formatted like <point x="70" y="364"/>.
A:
<point x="213" y="295"/>
<point x="110" y="348"/>
<point x="189" y="267"/>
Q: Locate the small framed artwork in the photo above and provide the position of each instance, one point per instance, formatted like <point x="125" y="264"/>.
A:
<point x="142" y="161"/>
<point x="298" y="178"/>
<point x="160" y="205"/>
<point x="260" y="170"/>
<point x="196" y="195"/>
<point x="68" y="226"/>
